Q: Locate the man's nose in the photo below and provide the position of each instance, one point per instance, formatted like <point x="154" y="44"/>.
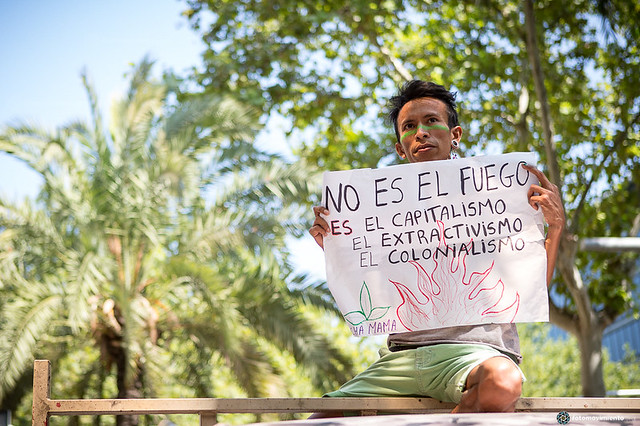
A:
<point x="421" y="131"/>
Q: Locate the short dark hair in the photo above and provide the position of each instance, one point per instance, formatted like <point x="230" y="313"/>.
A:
<point x="415" y="89"/>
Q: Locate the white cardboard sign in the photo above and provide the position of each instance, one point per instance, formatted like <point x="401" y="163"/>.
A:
<point x="435" y="244"/>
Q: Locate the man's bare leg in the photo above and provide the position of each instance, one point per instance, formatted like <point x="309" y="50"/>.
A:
<point x="493" y="386"/>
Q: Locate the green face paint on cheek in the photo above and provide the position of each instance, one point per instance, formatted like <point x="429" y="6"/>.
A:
<point x="434" y="127"/>
<point x="409" y="133"/>
<point x="425" y="128"/>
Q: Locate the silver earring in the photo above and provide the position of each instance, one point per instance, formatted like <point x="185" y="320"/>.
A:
<point x="454" y="145"/>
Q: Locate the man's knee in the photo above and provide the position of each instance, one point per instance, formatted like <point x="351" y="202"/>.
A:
<point x="499" y="386"/>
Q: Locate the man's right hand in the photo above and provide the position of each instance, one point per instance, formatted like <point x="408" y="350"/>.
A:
<point x="320" y="227"/>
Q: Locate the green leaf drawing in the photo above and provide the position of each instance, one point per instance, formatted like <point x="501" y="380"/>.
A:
<point x="365" y="299"/>
<point x="367" y="312"/>
<point x="355" y="317"/>
<point x="378" y="312"/>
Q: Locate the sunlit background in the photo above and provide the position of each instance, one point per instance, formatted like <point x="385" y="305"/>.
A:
<point x="45" y="46"/>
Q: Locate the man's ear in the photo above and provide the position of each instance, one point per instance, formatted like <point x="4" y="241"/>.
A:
<point x="400" y="150"/>
<point x="456" y="133"/>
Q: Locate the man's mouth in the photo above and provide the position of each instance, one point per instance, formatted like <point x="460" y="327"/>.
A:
<point x="424" y="147"/>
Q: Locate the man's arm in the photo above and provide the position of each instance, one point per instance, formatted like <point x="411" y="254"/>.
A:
<point x="546" y="196"/>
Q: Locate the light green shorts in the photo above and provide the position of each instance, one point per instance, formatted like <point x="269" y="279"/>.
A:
<point x="437" y="371"/>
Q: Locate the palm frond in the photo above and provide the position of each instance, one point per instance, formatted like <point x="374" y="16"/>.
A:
<point x="314" y="294"/>
<point x="24" y="320"/>
<point x="100" y="142"/>
<point x="161" y="241"/>
<point x="23" y="221"/>
<point x="221" y="329"/>
<point x="86" y="274"/>
<point x="140" y="76"/>
<point x="273" y="313"/>
<point x="42" y="150"/>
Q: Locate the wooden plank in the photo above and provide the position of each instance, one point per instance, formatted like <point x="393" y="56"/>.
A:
<point x="579" y="404"/>
<point x="208" y="408"/>
<point x="208" y="419"/>
<point x="243" y="405"/>
<point x="308" y="405"/>
<point x="41" y="392"/>
<point x="470" y="419"/>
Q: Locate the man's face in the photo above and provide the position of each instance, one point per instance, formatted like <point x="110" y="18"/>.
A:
<point x="424" y="132"/>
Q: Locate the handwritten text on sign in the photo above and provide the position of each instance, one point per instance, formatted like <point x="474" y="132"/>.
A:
<point x="435" y="244"/>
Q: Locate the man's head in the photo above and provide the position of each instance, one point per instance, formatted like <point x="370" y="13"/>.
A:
<point x="425" y="120"/>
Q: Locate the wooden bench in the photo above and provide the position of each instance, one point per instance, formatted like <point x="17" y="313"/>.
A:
<point x="209" y="408"/>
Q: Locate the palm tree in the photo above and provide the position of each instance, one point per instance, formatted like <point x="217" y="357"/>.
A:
<point x="161" y="242"/>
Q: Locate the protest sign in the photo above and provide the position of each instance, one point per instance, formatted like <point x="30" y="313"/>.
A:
<point x="435" y="244"/>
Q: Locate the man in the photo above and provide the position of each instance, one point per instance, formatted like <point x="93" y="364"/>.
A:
<point x="475" y="367"/>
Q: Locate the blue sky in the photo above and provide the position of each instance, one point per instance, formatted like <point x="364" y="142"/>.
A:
<point x="45" y="45"/>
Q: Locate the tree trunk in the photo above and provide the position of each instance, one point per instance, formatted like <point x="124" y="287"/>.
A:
<point x="589" y="328"/>
<point x="592" y="376"/>
<point x="129" y="383"/>
<point x="585" y="323"/>
<point x="127" y="388"/>
<point x="541" y="93"/>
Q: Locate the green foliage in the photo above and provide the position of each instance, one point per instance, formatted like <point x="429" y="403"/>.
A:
<point x="305" y="60"/>
<point x="624" y="374"/>
<point x="329" y="68"/>
<point x="552" y="366"/>
<point x="155" y="258"/>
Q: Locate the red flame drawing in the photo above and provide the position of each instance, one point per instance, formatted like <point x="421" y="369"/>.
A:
<point x="451" y="295"/>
